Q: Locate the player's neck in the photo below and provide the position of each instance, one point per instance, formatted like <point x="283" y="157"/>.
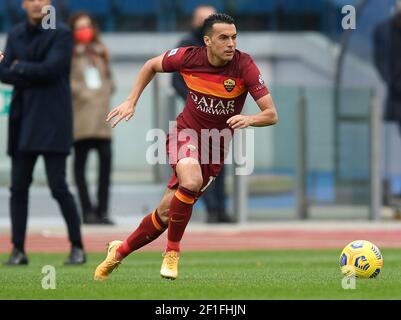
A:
<point x="214" y="60"/>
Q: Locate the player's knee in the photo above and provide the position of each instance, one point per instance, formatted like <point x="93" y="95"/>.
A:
<point x="193" y="183"/>
<point x="189" y="174"/>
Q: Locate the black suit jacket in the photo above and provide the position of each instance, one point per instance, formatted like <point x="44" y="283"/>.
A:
<point x="37" y="64"/>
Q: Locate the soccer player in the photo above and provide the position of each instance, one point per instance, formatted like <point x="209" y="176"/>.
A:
<point x="218" y="78"/>
<point x="214" y="196"/>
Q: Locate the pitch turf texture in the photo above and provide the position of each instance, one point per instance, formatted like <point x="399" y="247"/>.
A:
<point x="290" y="274"/>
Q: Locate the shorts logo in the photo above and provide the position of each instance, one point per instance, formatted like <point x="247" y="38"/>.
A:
<point x="229" y="84"/>
<point x="191" y="147"/>
<point x="172" y="52"/>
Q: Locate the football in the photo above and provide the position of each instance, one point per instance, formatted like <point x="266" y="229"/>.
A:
<point x="361" y="259"/>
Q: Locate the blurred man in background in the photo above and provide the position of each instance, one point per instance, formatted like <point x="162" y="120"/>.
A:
<point x="214" y="197"/>
<point x="37" y="63"/>
<point x="387" y="56"/>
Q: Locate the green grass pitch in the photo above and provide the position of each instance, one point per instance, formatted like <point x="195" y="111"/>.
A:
<point x="290" y="274"/>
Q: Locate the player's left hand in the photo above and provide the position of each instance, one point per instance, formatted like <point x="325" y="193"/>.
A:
<point x="1" y="56"/>
<point x="239" y="121"/>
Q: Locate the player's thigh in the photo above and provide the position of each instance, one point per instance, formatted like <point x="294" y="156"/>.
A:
<point x="189" y="174"/>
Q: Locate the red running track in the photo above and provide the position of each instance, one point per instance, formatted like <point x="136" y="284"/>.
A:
<point x="226" y="240"/>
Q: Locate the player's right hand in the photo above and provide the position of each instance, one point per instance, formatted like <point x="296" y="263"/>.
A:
<point x="124" y="111"/>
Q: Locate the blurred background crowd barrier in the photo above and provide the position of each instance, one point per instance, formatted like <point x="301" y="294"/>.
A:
<point x="328" y="154"/>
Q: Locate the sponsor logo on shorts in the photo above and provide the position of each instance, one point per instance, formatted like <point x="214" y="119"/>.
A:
<point x="212" y="146"/>
<point x="172" y="52"/>
<point x="191" y="147"/>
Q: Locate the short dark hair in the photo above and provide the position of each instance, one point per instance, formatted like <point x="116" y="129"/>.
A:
<point x="216" y="18"/>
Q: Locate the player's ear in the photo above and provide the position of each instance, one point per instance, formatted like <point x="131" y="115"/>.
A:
<point x="207" y="41"/>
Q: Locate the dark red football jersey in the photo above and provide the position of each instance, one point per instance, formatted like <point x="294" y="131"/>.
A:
<point x="215" y="94"/>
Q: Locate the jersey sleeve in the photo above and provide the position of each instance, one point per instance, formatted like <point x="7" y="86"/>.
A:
<point x="254" y="81"/>
<point x="173" y="59"/>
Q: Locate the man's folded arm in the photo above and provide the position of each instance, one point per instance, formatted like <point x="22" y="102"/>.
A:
<point x="7" y="74"/>
<point x="55" y="64"/>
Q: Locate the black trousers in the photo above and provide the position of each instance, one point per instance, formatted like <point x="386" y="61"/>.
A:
<point x="22" y="168"/>
<point x="103" y="149"/>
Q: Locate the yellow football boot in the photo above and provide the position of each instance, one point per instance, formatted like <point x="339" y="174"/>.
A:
<point x="110" y="263"/>
<point x="169" y="269"/>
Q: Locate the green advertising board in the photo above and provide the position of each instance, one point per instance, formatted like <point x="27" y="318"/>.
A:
<point x="5" y="99"/>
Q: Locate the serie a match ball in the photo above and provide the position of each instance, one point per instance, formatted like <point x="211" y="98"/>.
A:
<point x="361" y="259"/>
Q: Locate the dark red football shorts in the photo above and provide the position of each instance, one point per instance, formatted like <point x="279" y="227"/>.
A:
<point x="190" y="147"/>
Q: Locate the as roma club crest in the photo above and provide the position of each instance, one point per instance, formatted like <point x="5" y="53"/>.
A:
<point x="229" y="84"/>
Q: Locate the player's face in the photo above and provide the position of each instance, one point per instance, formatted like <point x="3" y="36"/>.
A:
<point x="33" y="8"/>
<point x="223" y="41"/>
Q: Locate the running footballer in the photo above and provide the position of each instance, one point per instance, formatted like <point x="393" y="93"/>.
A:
<point x="218" y="78"/>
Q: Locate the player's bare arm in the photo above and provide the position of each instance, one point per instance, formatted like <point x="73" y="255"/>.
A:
<point x="267" y="116"/>
<point x="127" y="109"/>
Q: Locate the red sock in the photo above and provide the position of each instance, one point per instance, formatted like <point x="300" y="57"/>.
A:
<point x="178" y="217"/>
<point x="150" y="229"/>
